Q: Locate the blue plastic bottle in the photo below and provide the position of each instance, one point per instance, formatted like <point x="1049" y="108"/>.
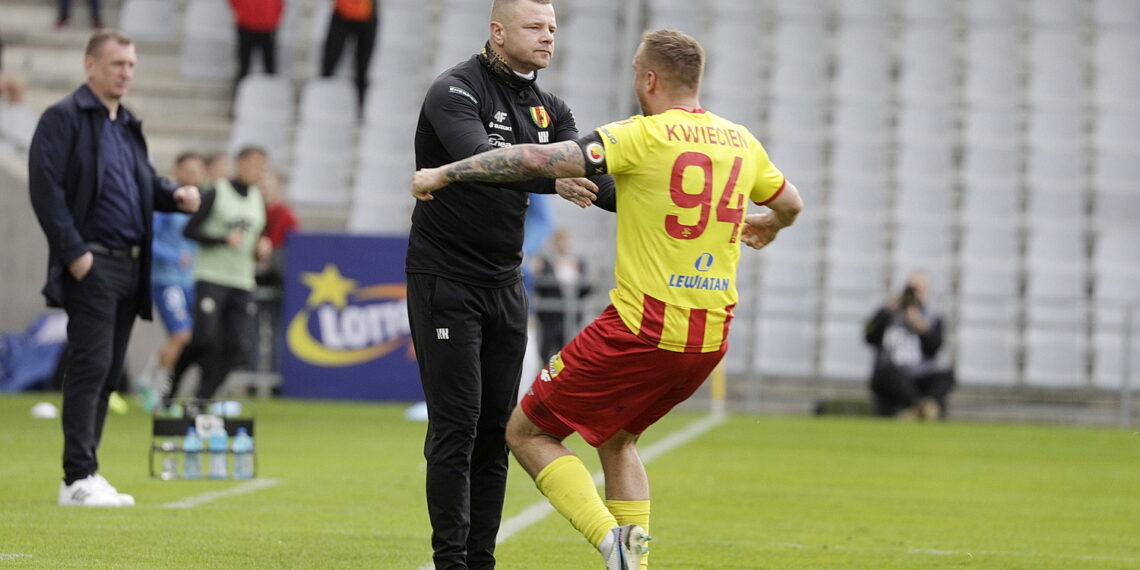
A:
<point x="243" y="455"/>
<point x="218" y="445"/>
<point x="192" y="455"/>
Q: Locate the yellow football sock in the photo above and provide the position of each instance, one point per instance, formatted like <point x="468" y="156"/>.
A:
<point x="567" y="484"/>
<point x="631" y="512"/>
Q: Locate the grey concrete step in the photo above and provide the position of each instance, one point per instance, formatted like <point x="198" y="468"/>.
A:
<point x="53" y="66"/>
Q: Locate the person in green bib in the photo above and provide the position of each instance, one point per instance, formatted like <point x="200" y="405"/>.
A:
<point x="228" y="227"/>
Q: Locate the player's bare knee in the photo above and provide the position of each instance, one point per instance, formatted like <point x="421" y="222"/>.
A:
<point x="517" y="430"/>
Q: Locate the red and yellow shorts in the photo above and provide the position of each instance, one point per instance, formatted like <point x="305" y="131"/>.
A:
<point x="608" y="379"/>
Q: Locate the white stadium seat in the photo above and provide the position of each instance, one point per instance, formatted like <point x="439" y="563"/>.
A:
<point x="1055" y="357"/>
<point x="208" y="41"/>
<point x="149" y="20"/>
<point x="987" y="355"/>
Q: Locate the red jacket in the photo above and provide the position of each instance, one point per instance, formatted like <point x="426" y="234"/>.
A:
<point x="257" y="15"/>
<point x="279" y="222"/>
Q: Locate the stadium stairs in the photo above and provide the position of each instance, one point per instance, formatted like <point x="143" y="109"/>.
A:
<point x="177" y="114"/>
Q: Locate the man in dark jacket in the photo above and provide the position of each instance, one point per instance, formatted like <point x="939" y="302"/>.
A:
<point x="466" y="300"/>
<point x="94" y="191"/>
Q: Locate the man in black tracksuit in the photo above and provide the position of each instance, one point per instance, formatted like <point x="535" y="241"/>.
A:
<point x="466" y="300"/>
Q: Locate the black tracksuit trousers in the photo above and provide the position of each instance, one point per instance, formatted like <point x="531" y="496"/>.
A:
<point x="469" y="343"/>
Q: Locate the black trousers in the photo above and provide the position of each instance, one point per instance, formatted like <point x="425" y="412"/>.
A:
<point x="469" y="343"/>
<point x="364" y="34"/>
<point x="895" y="390"/>
<point x="101" y="312"/>
<point x="220" y="340"/>
<point x="266" y="42"/>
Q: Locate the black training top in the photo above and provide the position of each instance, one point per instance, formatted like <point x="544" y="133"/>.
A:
<point x="473" y="232"/>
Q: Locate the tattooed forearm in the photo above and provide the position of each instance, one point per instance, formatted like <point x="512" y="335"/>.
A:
<point x="503" y="165"/>
<point x="521" y="162"/>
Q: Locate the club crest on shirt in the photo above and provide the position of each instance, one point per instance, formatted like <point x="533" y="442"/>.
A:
<point x="595" y="152"/>
<point x="540" y="116"/>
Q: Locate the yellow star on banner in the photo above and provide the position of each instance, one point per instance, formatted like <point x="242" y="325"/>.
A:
<point x="328" y="286"/>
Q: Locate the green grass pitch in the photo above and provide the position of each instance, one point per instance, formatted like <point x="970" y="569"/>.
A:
<point x="766" y="492"/>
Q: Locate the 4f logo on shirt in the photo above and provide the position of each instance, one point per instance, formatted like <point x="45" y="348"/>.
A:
<point x="540" y="117"/>
<point x="500" y="117"/>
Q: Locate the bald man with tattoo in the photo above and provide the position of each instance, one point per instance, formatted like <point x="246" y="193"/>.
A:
<point x="466" y="300"/>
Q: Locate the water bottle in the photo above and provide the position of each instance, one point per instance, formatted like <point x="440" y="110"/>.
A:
<point x="169" y="460"/>
<point x="192" y="455"/>
<point x="243" y="455"/>
<point x="218" y="444"/>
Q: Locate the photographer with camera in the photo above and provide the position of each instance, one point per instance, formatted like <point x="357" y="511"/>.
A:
<point x="228" y="228"/>
<point x="907" y="335"/>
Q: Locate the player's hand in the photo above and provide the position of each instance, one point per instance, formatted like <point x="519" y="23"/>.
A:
<point x="580" y="191"/>
<point x="81" y="266"/>
<point x="759" y="230"/>
<point x="188" y="199"/>
<point x="425" y="181"/>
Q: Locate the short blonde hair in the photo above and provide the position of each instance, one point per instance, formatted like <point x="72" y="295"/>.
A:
<point x="499" y="8"/>
<point x="675" y="56"/>
<point x="102" y="36"/>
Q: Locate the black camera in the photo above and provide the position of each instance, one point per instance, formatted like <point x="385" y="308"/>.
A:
<point x="909" y="298"/>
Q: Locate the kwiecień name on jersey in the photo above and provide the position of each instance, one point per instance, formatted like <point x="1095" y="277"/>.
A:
<point x="699" y="282"/>
<point x="706" y="135"/>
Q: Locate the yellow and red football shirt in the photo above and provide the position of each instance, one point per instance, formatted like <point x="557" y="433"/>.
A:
<point x="683" y="182"/>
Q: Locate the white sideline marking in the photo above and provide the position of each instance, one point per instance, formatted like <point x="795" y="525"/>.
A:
<point x="539" y="510"/>
<point x="13" y="556"/>
<point x="244" y="488"/>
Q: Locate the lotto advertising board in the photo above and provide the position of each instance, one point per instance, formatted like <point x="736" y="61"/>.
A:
<point x="345" y="319"/>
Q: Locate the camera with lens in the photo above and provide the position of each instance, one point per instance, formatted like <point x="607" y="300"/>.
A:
<point x="909" y="298"/>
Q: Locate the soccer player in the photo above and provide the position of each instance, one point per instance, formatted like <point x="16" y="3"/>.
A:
<point x="682" y="179"/>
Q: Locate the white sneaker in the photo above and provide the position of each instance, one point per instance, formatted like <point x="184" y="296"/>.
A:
<point x="124" y="499"/>
<point x="89" y="492"/>
<point x="627" y="544"/>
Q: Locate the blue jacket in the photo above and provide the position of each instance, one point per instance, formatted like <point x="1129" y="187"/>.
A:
<point x="64" y="175"/>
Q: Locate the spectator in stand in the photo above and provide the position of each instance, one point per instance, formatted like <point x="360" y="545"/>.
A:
<point x="537" y="229"/>
<point x="172" y="283"/>
<point x="228" y="227"/>
<point x="560" y="284"/>
<point x="64" y="17"/>
<point x="359" y="19"/>
<point x="257" y="22"/>
<point x="907" y="335"/>
<point x="280" y="221"/>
